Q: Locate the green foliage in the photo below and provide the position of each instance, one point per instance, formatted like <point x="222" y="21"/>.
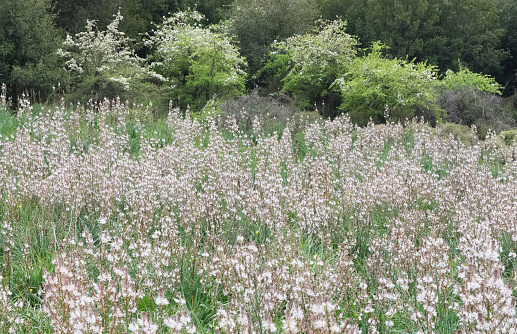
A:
<point x="28" y="39"/>
<point x="476" y="35"/>
<point x="140" y="16"/>
<point x="258" y="23"/>
<point x="460" y="132"/>
<point x="40" y="79"/>
<point x="202" y="65"/>
<point x="270" y="76"/>
<point x="314" y="62"/>
<point x="509" y="137"/>
<point x="101" y="64"/>
<point x="438" y="31"/>
<point x="508" y="16"/>
<point x="374" y="85"/>
<point x="28" y="275"/>
<point x="72" y="15"/>
<point x="464" y="77"/>
<point x="214" y="10"/>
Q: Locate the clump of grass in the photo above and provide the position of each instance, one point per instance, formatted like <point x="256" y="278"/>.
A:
<point x="460" y="132"/>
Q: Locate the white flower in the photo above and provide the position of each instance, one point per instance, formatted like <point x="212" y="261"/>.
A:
<point x="161" y="301"/>
<point x="319" y="324"/>
<point x="170" y="322"/>
<point x="133" y="327"/>
<point x="105" y="238"/>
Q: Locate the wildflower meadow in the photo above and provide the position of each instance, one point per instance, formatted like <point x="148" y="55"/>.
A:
<point x="116" y="221"/>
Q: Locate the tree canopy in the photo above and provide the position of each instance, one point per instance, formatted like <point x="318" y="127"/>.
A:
<point x="308" y="64"/>
<point x="28" y="37"/>
<point x="445" y="33"/>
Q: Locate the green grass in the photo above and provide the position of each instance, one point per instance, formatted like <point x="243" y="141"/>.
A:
<point x="8" y="123"/>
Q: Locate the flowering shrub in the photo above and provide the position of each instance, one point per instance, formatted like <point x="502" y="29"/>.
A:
<point x="102" y="64"/>
<point x="179" y="226"/>
<point x="203" y="65"/>
<point x="3" y="97"/>
<point x="309" y="64"/>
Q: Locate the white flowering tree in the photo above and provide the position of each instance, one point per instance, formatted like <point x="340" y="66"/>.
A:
<point x="202" y="64"/>
<point x="310" y="63"/>
<point x="102" y="64"/>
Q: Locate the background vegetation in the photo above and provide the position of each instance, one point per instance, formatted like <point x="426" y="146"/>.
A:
<point x="247" y="185"/>
<point x="314" y="51"/>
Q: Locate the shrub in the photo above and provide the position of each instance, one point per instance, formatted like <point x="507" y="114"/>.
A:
<point x="41" y="78"/>
<point x="271" y="111"/>
<point x="461" y="132"/>
<point x="509" y="137"/>
<point x="374" y="83"/>
<point x="465" y="78"/>
<point x="467" y="105"/>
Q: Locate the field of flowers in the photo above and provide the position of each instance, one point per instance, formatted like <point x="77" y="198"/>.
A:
<point x="115" y="222"/>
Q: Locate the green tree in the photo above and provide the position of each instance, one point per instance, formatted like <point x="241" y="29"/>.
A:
<point x="257" y="23"/>
<point x="71" y="15"/>
<point x="446" y="33"/>
<point x="508" y="16"/>
<point x="28" y="40"/>
<point x="475" y="31"/>
<point x="201" y="64"/>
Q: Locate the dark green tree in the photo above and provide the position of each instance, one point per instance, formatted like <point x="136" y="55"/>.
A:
<point x="28" y="41"/>
<point x="257" y="23"/>
<point x="475" y="31"/>
<point x="446" y="33"/>
<point x="71" y="15"/>
<point x="508" y="16"/>
<point x="140" y="16"/>
<point x="214" y="10"/>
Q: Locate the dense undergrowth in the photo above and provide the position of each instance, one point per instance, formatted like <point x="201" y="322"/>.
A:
<point x="114" y="221"/>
